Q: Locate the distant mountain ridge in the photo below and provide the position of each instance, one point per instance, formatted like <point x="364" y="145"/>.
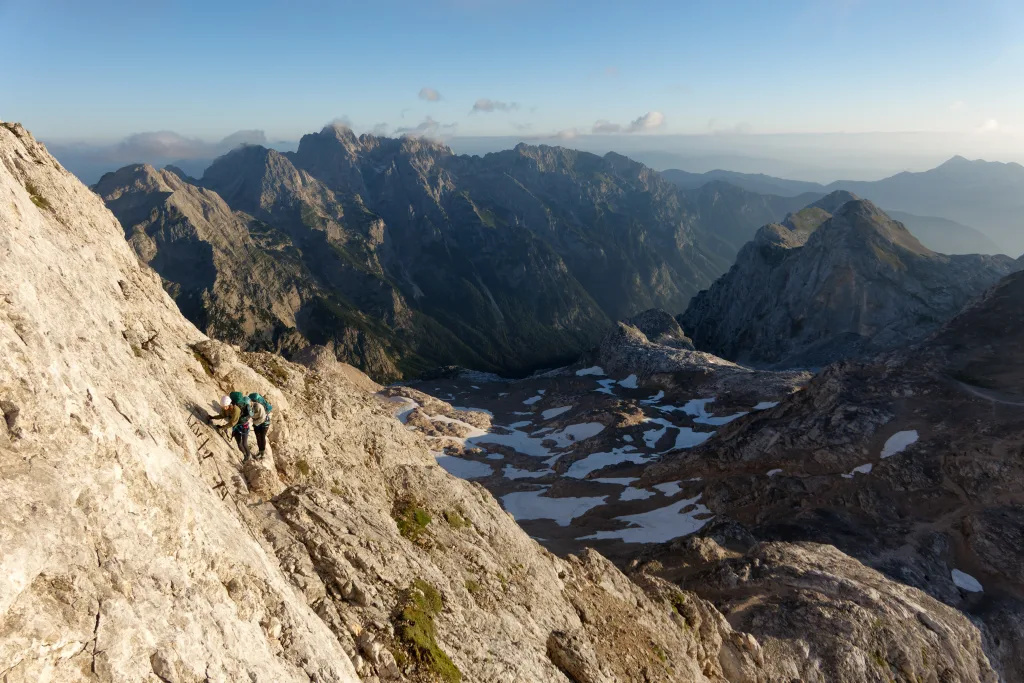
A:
<point x="986" y="195"/>
<point x="835" y="280"/>
<point x="754" y="182"/>
<point x="508" y="262"/>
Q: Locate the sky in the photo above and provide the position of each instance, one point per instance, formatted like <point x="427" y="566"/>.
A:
<point x="742" y="73"/>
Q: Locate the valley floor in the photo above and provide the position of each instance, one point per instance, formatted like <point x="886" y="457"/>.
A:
<point x="564" y="452"/>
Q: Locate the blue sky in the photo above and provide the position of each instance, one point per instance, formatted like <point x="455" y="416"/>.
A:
<point x="106" y="69"/>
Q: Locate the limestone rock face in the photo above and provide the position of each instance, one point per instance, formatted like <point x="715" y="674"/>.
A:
<point x="241" y="279"/>
<point x="826" y="286"/>
<point x="794" y="598"/>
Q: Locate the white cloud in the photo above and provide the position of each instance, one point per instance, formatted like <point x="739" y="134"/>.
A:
<point x="89" y="161"/>
<point x="989" y="126"/>
<point x="649" y="121"/>
<point x="604" y="127"/>
<point x="652" y="120"/>
<point x="486" y="105"/>
<point x="429" y="94"/>
<point x="379" y="130"/>
<point x="564" y="134"/>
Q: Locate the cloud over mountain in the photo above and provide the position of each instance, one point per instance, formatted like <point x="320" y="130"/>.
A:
<point x="488" y="106"/>
<point x="90" y="161"/>
<point x="652" y="120"/>
<point x="428" y="128"/>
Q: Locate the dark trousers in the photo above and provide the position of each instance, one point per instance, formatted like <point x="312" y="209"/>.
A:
<point x="261" y="435"/>
<point x="242" y="439"/>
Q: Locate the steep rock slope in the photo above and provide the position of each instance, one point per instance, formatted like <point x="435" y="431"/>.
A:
<point x="240" y="279"/>
<point x="825" y="286"/>
<point x="910" y="462"/>
<point x="208" y="255"/>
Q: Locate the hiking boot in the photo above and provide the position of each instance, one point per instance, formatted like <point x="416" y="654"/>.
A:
<point x="259" y="456"/>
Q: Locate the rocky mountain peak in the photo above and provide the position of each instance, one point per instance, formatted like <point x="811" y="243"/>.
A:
<point x="799" y="293"/>
<point x="776" y="235"/>
<point x="859" y="222"/>
<point x="138" y="176"/>
<point x="956" y="162"/>
<point x="660" y="328"/>
<point x="833" y="200"/>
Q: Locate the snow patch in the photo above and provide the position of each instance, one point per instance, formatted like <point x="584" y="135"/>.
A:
<point x="772" y="473"/>
<point x="511" y="472"/>
<point x="660" y="525"/>
<point x="606" y="387"/>
<point x="555" y="412"/>
<point x="765" y="405"/>
<point x="654" y="399"/>
<point x="670" y="488"/>
<point x="686" y="438"/>
<point x="966" y="582"/>
<point x="462" y="468"/>
<point x="524" y="505"/>
<point x="618" y="481"/>
<point x="630" y="493"/>
<point x="533" y="399"/>
<point x="863" y="469"/>
<point x="595" y="370"/>
<point x="402" y="407"/>
<point x="898" y="442"/>
<point x="523" y="443"/>
<point x="629" y="382"/>
<point x="596" y="461"/>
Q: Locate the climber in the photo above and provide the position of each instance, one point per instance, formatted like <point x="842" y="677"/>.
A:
<point x="261" y="410"/>
<point x="236" y="412"/>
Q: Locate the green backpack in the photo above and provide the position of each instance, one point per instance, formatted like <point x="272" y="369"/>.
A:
<point x="262" y="401"/>
<point x="242" y="401"/>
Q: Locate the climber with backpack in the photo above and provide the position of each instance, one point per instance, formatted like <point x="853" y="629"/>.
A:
<point x="236" y="413"/>
<point x="261" y="410"/>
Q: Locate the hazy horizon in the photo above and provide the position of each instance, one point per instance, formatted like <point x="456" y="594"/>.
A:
<point x="810" y="89"/>
<point x="821" y="158"/>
